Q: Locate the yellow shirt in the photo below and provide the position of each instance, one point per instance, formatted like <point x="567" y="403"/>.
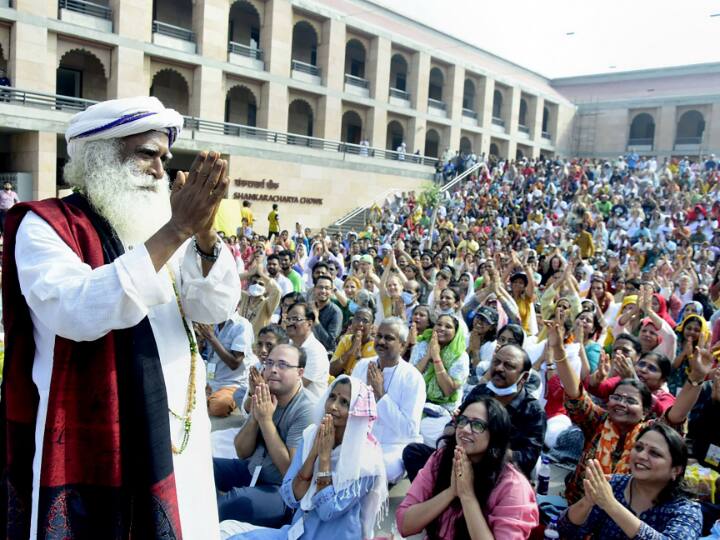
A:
<point x="274" y="223"/>
<point x="366" y="351"/>
<point x="246" y="213"/>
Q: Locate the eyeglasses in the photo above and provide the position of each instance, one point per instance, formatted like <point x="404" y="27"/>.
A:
<point x="360" y="320"/>
<point x="477" y="426"/>
<point x="280" y="364"/>
<point x="652" y="368"/>
<point x="296" y="319"/>
<point x="619" y="398"/>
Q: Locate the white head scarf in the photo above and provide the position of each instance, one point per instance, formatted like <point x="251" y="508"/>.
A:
<point x="119" y="118"/>
<point x="358" y="456"/>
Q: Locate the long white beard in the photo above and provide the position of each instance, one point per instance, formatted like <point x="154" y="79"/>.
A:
<point x="135" y="204"/>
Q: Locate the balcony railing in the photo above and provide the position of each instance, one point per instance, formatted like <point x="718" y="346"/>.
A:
<point x="304" y="67"/>
<point x="640" y="142"/>
<point x="469" y="113"/>
<point x="356" y="81"/>
<point x="498" y="121"/>
<point x="688" y="140"/>
<point x="523" y="129"/>
<point x="15" y="96"/>
<point x="245" y="50"/>
<point x="546" y="135"/>
<point x="87" y="8"/>
<point x="400" y="94"/>
<point x="436" y="103"/>
<point x="173" y="31"/>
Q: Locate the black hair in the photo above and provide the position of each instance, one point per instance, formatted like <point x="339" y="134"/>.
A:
<point x="320" y="265"/>
<point x="645" y="394"/>
<point x="454" y="290"/>
<point x="486" y="472"/>
<point x="456" y="322"/>
<point x="663" y="362"/>
<point x="276" y="330"/>
<point x="632" y="339"/>
<point x="273" y="256"/>
<point x="309" y="313"/>
<point x="491" y="334"/>
<point x="294" y="296"/>
<point x="597" y="324"/>
<point x="516" y="330"/>
<point x="674" y="489"/>
<point x="432" y="318"/>
<point x="286" y="253"/>
<point x="323" y="276"/>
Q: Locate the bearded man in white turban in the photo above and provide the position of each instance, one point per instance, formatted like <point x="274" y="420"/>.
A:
<point x="103" y="429"/>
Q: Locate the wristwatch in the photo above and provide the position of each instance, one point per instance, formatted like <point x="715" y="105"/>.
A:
<point x="693" y="383"/>
<point x="323" y="474"/>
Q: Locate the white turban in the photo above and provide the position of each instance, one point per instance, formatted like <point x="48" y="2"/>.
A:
<point x="119" y="118"/>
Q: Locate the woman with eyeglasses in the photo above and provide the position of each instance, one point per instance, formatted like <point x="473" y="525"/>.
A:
<point x="611" y="433"/>
<point x="647" y="502"/>
<point x="468" y="489"/>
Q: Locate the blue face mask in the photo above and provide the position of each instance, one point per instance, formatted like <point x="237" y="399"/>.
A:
<point x="407" y="298"/>
<point x="352" y="306"/>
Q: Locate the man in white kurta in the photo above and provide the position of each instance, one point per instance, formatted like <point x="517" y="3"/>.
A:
<point x="400" y="402"/>
<point x="68" y="299"/>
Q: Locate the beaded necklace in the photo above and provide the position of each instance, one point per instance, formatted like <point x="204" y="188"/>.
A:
<point x="185" y="419"/>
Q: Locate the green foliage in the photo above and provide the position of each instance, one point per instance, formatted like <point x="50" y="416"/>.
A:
<point x="430" y="197"/>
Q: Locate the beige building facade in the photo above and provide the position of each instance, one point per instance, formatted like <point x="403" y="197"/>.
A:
<point x="316" y="95"/>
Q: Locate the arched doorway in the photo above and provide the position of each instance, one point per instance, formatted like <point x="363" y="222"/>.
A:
<point x="171" y="88"/>
<point x="432" y="143"/>
<point x="351" y="129"/>
<point x="545" y="121"/>
<point x="304" y="43"/>
<point x="522" y="115"/>
<point x="241" y="106"/>
<point x="355" y="59"/>
<point x="690" y="128"/>
<point x="244" y="25"/>
<point x="398" y="72"/>
<point x="395" y="135"/>
<point x="497" y="109"/>
<point x="300" y="118"/>
<point x="465" y="146"/>
<point x="435" y="87"/>
<point x="642" y="129"/>
<point x="81" y="75"/>
<point x="494" y="150"/>
<point x="469" y="95"/>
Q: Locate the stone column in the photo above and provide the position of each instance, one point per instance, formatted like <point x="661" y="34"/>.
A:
<point x="665" y="129"/>
<point x="329" y="118"/>
<point x="33" y="58"/>
<point x="276" y="38"/>
<point x="210" y="24"/>
<point x="487" y="87"/>
<point x="273" y="113"/>
<point x="418" y="80"/>
<point x="535" y="120"/>
<point x="36" y="152"/>
<point x="376" y="129"/>
<point x="454" y="102"/>
<point x="331" y="54"/>
<point x="207" y="100"/>
<point x="379" y="69"/>
<point x="132" y="19"/>
<point x="415" y="136"/>
<point x="712" y="130"/>
<point x="514" y="112"/>
<point x="42" y="8"/>
<point x="130" y="73"/>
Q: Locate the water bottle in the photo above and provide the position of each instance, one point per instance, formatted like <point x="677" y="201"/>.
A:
<point x="543" y="477"/>
<point x="551" y="532"/>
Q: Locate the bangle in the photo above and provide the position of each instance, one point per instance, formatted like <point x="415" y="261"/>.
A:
<point x="561" y="360"/>
<point x="695" y="384"/>
<point x="324" y="474"/>
<point x="210" y="257"/>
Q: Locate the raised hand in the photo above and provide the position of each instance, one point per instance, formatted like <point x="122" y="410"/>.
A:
<point x="255" y="379"/>
<point x="464" y="474"/>
<point x="264" y="404"/>
<point x="376" y="380"/>
<point x="597" y="487"/>
<point x="326" y="436"/>
<point x="196" y="195"/>
<point x="701" y="364"/>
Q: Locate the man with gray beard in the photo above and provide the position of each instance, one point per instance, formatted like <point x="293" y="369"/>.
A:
<point x="100" y="435"/>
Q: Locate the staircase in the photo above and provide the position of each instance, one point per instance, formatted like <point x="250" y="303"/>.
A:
<point x="356" y="220"/>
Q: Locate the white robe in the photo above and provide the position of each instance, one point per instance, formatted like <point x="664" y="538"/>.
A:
<point x="399" y="411"/>
<point x="69" y="299"/>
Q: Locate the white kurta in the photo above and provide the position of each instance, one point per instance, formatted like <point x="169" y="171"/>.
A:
<point x="69" y="299"/>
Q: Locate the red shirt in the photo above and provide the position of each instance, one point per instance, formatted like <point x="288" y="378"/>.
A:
<point x="662" y="400"/>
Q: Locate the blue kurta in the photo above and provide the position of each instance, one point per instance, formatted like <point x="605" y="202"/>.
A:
<point x="336" y="515"/>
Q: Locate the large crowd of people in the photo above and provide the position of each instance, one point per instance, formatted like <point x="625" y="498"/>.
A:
<point x="542" y="310"/>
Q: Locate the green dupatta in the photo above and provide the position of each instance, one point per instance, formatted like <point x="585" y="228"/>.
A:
<point x="449" y="354"/>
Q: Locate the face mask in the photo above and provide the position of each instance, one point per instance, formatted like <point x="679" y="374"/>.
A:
<point x="352" y="306"/>
<point x="407" y="297"/>
<point x="256" y="290"/>
<point x="449" y="311"/>
<point x="509" y="391"/>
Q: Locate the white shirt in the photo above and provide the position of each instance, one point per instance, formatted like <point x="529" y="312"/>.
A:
<point x="69" y="299"/>
<point x="317" y="366"/>
<point x="236" y="336"/>
<point x="400" y="408"/>
<point x="284" y="283"/>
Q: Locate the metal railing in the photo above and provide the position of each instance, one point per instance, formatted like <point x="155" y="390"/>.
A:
<point x="360" y="209"/>
<point x="356" y="81"/>
<point x="469" y="113"/>
<point x="640" y="141"/>
<point x="17" y="96"/>
<point x="304" y="67"/>
<point x="461" y="177"/>
<point x="546" y="135"/>
<point x="245" y="50"/>
<point x="523" y="129"/>
<point x="498" y="121"/>
<point x="400" y="94"/>
<point x="173" y="31"/>
<point x="688" y="140"/>
<point x="87" y="8"/>
<point x="437" y="103"/>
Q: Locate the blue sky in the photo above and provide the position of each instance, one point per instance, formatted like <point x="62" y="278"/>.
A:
<point x="605" y="36"/>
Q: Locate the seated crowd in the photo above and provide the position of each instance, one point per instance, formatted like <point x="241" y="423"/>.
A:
<point x="542" y="311"/>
